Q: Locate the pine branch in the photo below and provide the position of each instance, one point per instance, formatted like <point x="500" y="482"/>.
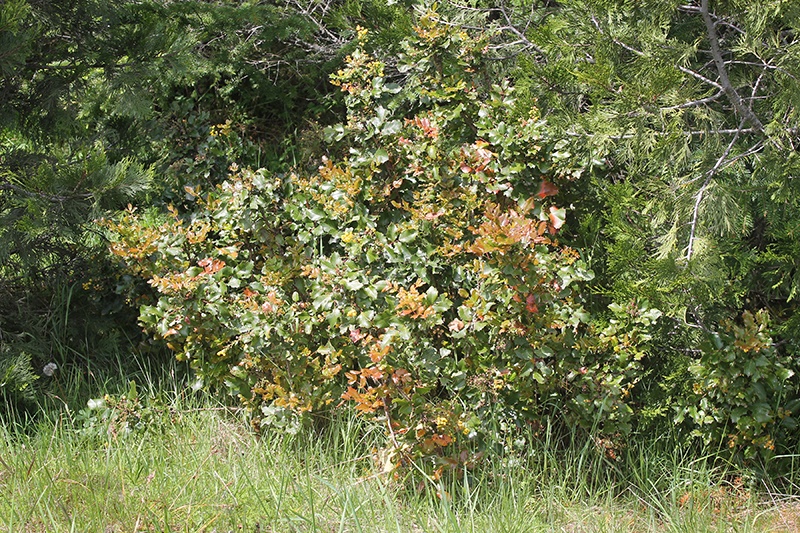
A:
<point x="639" y="53"/>
<point x="55" y="198"/>
<point x="725" y="81"/>
<point x="721" y="163"/>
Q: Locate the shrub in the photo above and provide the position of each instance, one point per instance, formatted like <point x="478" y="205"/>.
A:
<point x="738" y="394"/>
<point x="417" y="275"/>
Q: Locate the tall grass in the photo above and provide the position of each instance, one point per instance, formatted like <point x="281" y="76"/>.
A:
<point x="197" y="467"/>
<point x="183" y="462"/>
<point x="73" y="327"/>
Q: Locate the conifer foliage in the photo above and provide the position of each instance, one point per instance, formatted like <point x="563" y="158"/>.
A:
<point x="689" y="113"/>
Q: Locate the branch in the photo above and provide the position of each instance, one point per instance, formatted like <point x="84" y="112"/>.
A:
<point x="510" y="27"/>
<point x="520" y="35"/>
<point x="55" y="198"/>
<point x="721" y="163"/>
<point x="720" y="20"/>
<point x="701" y="192"/>
<point x="716" y="53"/>
<point x="688" y="133"/>
<point x="696" y="103"/>
<point x="639" y="53"/>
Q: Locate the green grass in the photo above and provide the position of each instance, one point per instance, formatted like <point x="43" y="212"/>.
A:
<point x="195" y="466"/>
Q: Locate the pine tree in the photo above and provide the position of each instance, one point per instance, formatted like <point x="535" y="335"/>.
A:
<point x="105" y="103"/>
<point x="687" y="113"/>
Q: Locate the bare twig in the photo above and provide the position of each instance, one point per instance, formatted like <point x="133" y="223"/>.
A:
<point x="721" y="163"/>
<point x="695" y="103"/>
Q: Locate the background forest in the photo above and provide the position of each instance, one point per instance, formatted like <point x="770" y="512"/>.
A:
<point x="461" y="220"/>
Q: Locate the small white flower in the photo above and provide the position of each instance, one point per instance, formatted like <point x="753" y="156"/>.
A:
<point x="96" y="403"/>
<point x="49" y="369"/>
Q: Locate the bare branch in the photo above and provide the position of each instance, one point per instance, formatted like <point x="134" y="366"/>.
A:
<point x="723" y="162"/>
<point x="744" y="111"/>
<point x="520" y="35"/>
<point x="718" y="20"/>
<point x="701" y="192"/>
<point x="755" y="90"/>
<point x="730" y="131"/>
<point x="695" y="103"/>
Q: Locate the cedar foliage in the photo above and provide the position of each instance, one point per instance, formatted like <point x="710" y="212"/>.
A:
<point x="688" y="113"/>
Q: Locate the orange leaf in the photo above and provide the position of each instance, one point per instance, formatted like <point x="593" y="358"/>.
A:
<point x="351" y="394"/>
<point x="442" y="439"/>
<point x="401" y="376"/>
<point x="372" y="372"/>
<point x="557" y="216"/>
<point x="378" y="351"/>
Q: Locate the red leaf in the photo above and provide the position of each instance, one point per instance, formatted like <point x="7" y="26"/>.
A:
<point x="547" y="189"/>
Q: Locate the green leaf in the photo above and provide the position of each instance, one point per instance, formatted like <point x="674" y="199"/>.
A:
<point x="316" y="214"/>
<point x="353" y="284"/>
<point x="381" y="156"/>
<point x="408" y="235"/>
<point x="392" y="127"/>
